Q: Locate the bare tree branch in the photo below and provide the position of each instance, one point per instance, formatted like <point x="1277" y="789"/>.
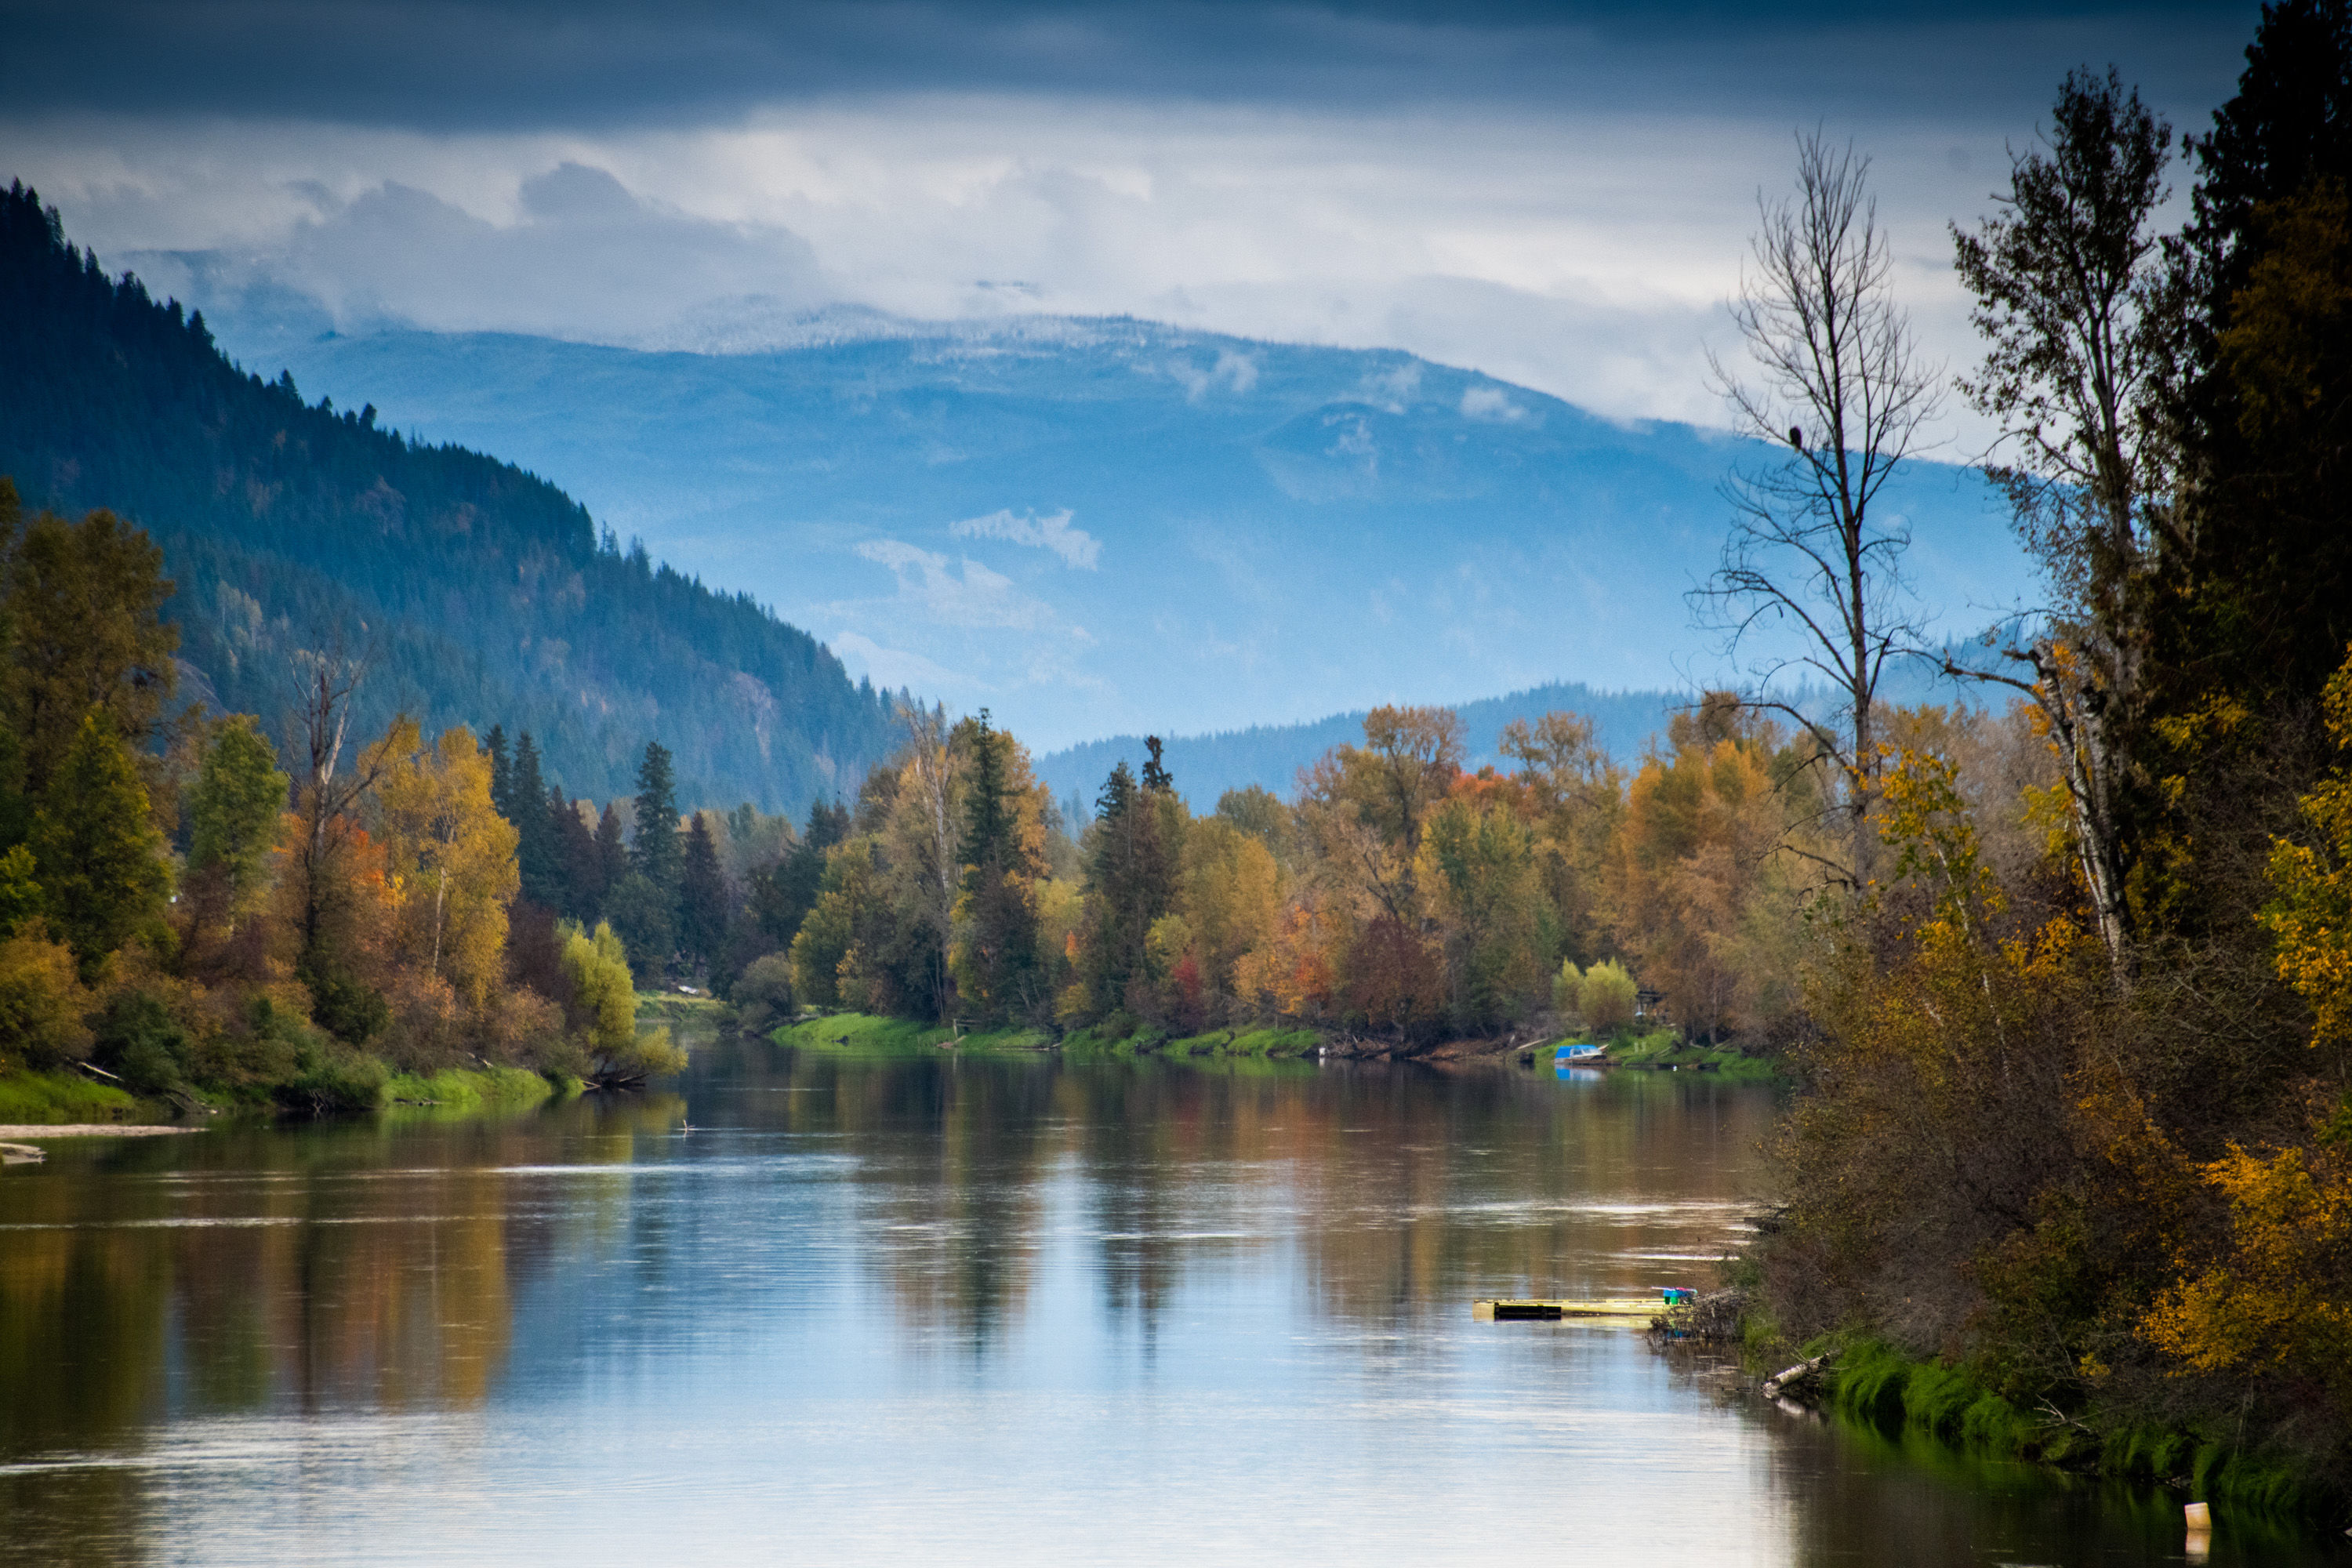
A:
<point x="1839" y="384"/>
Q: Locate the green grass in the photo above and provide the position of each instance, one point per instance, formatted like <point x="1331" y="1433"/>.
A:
<point x="1663" y="1048"/>
<point x="868" y="1034"/>
<point x="54" y="1098"/>
<point x="469" y="1092"/>
<point x="1875" y="1384"/>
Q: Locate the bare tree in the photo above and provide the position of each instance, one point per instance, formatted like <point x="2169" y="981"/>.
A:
<point x="2083" y="320"/>
<point x="324" y="682"/>
<point x="1839" y="383"/>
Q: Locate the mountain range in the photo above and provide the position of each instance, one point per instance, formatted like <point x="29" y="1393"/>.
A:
<point x="1098" y="527"/>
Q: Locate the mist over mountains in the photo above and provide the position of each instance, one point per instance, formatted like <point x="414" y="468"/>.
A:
<point x="1104" y="526"/>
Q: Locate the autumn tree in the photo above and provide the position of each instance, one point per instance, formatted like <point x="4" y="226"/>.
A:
<point x="1811" y="578"/>
<point x="450" y="860"/>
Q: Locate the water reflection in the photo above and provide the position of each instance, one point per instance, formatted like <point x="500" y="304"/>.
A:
<point x="1022" y="1309"/>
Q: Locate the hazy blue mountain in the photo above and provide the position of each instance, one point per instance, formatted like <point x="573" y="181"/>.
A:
<point x="1106" y="526"/>
<point x="1270" y="755"/>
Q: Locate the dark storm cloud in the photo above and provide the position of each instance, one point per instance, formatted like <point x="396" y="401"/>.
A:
<point x="507" y="65"/>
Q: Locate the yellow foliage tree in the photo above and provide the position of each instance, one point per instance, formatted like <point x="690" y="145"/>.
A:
<point x="449" y="860"/>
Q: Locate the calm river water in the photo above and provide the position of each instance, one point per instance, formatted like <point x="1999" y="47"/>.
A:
<point x="977" y="1310"/>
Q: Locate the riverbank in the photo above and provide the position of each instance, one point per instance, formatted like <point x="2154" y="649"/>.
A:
<point x="1663" y="1050"/>
<point x="1875" y="1384"/>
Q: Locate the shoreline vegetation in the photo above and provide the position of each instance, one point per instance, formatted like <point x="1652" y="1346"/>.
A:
<point x="2062" y="968"/>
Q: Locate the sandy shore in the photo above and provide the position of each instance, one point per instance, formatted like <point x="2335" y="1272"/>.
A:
<point x="88" y="1130"/>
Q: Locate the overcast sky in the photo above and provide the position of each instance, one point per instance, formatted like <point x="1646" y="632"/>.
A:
<point x="1556" y="195"/>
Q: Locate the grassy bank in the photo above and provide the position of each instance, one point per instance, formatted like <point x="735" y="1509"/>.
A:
<point x="1663" y="1050"/>
<point x="1269" y="1043"/>
<point x="474" y="1091"/>
<point x="1876" y="1385"/>
<point x="55" y="1098"/>
<point x="864" y="1033"/>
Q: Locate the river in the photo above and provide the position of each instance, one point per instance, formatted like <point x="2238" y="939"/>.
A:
<point x="971" y="1309"/>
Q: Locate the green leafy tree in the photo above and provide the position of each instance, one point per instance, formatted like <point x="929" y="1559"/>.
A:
<point x="2083" y="320"/>
<point x="101" y="859"/>
<point x="239" y="800"/>
<point x="646" y="916"/>
<point x="84" y="601"/>
<point x="1605" y="997"/>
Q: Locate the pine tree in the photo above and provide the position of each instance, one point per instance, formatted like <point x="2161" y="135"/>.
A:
<point x="997" y="951"/>
<point x="655" y="850"/>
<point x="1130" y="883"/>
<point x="582" y="896"/>
<point x="702" y="902"/>
<point x="782" y="895"/>
<point x="539" y="852"/>
<point x="98" y="856"/>
<point x="611" y="859"/>
<point x="503" y="781"/>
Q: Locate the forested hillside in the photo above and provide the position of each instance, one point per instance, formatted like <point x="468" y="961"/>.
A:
<point x="483" y="592"/>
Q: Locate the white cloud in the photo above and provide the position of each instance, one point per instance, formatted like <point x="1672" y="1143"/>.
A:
<point x="1053" y="531"/>
<point x="894" y="669"/>
<point x="1491" y="404"/>
<point x="1233" y="369"/>
<point x="965" y="594"/>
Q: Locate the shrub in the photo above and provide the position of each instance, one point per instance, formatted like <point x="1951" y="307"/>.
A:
<point x="763" y="993"/>
<point x="42" y="1001"/>
<point x="1605" y="997"/>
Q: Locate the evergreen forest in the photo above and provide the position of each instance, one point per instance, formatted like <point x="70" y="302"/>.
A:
<point x="470" y="586"/>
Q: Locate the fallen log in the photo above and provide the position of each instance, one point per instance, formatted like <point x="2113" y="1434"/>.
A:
<point x="1790" y="1378"/>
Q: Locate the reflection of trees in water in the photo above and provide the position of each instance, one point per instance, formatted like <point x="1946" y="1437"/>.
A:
<point x="950" y="1153"/>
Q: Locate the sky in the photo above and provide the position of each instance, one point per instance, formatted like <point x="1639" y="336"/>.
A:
<point x="1558" y="196"/>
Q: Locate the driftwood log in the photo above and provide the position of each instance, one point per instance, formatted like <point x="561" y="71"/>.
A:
<point x="1794" y="1379"/>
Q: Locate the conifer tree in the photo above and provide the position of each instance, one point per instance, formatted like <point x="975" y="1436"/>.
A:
<point x="584" y="870"/>
<point x="494" y="746"/>
<point x="655" y="850"/>
<point x="612" y="856"/>
<point x="1129" y="886"/>
<point x="538" y="851"/>
<point x="997" y="964"/>
<point x="702" y="902"/>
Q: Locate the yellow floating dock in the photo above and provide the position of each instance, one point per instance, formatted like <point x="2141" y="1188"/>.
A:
<point x="1622" y="1308"/>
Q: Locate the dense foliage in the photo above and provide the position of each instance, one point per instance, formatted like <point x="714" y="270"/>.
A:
<point x="2079" y="1095"/>
<point x="481" y="588"/>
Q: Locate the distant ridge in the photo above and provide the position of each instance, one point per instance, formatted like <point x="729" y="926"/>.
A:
<point x="1270" y="755"/>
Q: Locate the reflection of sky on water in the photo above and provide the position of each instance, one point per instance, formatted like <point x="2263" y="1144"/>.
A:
<point x="991" y="1312"/>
